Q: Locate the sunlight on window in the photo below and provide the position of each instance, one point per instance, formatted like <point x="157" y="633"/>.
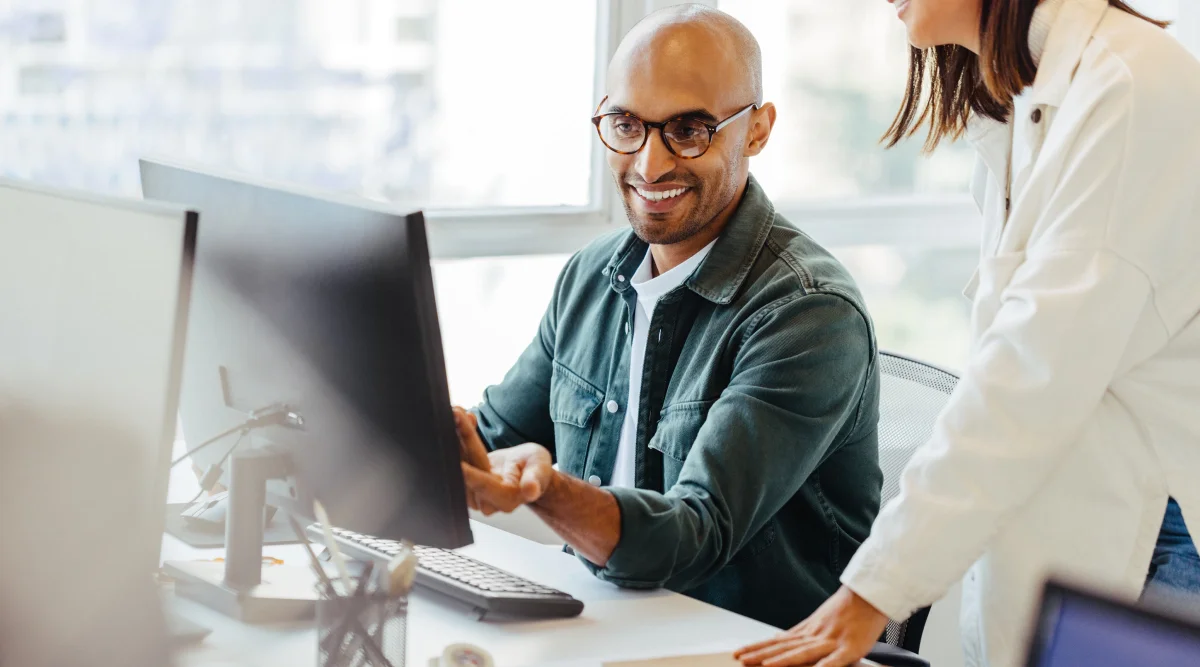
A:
<point x="489" y="309"/>
<point x="436" y="104"/>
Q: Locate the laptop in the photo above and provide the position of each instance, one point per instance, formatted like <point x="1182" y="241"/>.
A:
<point x="1078" y="628"/>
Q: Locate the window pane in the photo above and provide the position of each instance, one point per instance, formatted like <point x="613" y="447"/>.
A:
<point x="489" y="309"/>
<point x="915" y="298"/>
<point x="393" y="98"/>
<point x="837" y="70"/>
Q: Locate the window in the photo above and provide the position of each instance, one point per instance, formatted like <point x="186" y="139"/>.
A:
<point x="489" y="309"/>
<point x="898" y="220"/>
<point x="471" y="109"/>
<point x="836" y="70"/>
<point x="901" y="222"/>
<point x="441" y="104"/>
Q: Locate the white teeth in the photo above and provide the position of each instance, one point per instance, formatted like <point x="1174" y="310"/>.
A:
<point x="659" y="196"/>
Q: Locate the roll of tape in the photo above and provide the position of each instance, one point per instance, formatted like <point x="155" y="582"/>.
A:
<point x="465" y="655"/>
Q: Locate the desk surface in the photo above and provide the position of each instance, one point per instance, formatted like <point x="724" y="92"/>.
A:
<point x="616" y="624"/>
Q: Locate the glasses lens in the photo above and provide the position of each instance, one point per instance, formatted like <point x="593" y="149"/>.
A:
<point x="688" y="137"/>
<point x="624" y="134"/>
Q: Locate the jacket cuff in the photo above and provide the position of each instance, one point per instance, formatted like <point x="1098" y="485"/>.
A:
<point x="628" y="565"/>
<point x="880" y="583"/>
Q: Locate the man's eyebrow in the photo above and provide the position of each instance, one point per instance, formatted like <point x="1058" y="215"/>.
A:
<point x="701" y="114"/>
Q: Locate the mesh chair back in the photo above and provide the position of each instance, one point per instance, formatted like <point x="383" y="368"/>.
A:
<point x="912" y="395"/>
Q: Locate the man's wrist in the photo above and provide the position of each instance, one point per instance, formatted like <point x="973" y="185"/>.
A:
<point x="553" y="488"/>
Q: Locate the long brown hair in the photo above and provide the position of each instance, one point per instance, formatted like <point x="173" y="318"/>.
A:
<point x="961" y="83"/>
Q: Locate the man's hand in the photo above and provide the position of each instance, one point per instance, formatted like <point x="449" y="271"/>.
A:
<point x="838" y="634"/>
<point x="517" y="476"/>
<point x="473" y="450"/>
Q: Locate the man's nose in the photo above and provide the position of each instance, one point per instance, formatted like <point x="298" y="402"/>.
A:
<point x="654" y="160"/>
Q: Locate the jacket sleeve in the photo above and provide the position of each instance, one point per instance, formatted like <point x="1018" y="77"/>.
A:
<point x="1043" y="367"/>
<point x="797" y="387"/>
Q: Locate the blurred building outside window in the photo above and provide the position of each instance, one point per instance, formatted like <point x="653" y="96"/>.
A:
<point x="478" y="113"/>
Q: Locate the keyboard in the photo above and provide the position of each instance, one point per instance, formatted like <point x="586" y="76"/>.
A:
<point x="489" y="590"/>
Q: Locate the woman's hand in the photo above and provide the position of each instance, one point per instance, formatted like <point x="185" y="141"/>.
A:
<point x="838" y="634"/>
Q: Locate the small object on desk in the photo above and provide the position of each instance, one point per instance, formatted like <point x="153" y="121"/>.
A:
<point x="381" y="642"/>
<point x="339" y="561"/>
<point x="462" y="655"/>
<point x="368" y="629"/>
<point x="401" y="572"/>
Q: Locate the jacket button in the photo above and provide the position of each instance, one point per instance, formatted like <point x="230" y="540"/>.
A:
<point x="613" y="407"/>
<point x="1037" y="116"/>
<point x="620" y="279"/>
<point x="594" y="480"/>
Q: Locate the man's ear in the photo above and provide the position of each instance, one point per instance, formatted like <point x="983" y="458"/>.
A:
<point x="761" y="123"/>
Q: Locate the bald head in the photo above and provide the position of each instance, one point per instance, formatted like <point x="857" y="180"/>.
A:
<point x="700" y="43"/>
<point x="694" y="73"/>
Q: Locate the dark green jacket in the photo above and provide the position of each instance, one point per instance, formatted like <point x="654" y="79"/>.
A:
<point x="757" y="453"/>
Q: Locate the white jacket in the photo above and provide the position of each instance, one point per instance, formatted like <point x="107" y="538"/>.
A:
<point x="1079" y="410"/>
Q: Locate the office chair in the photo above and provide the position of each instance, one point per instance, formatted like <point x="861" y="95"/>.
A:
<point x="912" y="395"/>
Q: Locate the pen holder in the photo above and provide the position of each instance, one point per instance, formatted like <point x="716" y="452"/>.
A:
<point x="361" y="630"/>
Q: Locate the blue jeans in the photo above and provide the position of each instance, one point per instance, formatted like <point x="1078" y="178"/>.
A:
<point x="1175" y="568"/>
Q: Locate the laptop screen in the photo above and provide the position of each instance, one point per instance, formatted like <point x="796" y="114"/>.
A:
<point x="1080" y="629"/>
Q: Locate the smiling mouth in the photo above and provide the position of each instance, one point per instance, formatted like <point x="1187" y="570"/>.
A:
<point x="662" y="195"/>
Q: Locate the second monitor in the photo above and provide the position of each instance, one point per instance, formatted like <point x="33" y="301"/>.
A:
<point x="321" y="310"/>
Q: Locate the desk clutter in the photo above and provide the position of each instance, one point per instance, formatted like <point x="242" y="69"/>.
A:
<point x="362" y="624"/>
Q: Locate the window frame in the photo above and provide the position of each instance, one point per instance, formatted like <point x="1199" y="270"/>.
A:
<point x="502" y="232"/>
<point x="491" y="232"/>
<point x="943" y="221"/>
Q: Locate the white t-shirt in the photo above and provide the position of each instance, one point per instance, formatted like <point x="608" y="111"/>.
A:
<point x="649" y="290"/>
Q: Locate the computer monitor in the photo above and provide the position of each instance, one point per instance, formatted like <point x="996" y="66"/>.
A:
<point x="324" y="304"/>
<point x="1077" y="627"/>
<point x="93" y="313"/>
<point x="93" y="307"/>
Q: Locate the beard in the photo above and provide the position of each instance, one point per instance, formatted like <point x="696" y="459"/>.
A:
<point x="705" y="201"/>
<point x="662" y="228"/>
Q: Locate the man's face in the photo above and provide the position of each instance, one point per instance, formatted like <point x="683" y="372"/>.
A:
<point x="668" y="198"/>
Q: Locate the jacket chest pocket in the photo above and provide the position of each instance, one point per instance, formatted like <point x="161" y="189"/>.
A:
<point x="987" y="286"/>
<point x="678" y="426"/>
<point x="573" y="406"/>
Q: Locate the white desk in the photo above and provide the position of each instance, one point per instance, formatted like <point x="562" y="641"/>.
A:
<point x="615" y="624"/>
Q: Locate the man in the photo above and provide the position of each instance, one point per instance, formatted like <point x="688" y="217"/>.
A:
<point x="707" y="383"/>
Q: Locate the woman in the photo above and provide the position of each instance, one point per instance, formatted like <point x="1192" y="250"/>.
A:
<point x="1079" y="410"/>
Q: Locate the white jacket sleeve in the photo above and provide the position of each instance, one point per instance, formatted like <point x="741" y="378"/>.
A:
<point x="1037" y="374"/>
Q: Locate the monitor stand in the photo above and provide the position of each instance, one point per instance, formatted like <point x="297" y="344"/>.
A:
<point x="243" y="587"/>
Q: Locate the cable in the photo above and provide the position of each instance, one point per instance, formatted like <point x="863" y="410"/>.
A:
<point x="274" y="415"/>
<point x="215" y="470"/>
<point x="210" y="441"/>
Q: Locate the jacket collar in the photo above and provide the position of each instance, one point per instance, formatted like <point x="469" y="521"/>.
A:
<point x="1072" y="32"/>
<point x="721" y="275"/>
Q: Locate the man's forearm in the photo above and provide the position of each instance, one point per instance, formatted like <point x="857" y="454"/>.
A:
<point x="586" y="517"/>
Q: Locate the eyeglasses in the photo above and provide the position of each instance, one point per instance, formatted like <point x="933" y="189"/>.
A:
<point x="686" y="137"/>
